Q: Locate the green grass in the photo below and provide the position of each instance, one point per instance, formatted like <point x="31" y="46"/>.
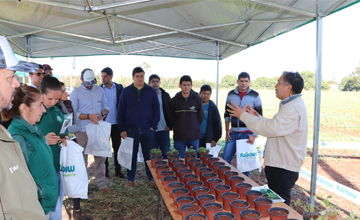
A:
<point x="339" y="118"/>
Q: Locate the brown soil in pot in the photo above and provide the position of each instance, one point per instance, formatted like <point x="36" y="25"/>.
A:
<point x="263" y="202"/>
<point x="278" y="212"/>
<point x="244" y="187"/>
<point x="252" y="215"/>
<point x="201" y="190"/>
<point x="184" y="201"/>
<point x="231" y="196"/>
<point x="212" y="207"/>
<point x="239" y="205"/>
<point x="196" y="218"/>
<point x="224" y="218"/>
<point x="191" y="209"/>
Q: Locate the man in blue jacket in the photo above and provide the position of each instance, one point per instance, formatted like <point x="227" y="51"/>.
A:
<point x="186" y="114"/>
<point x="211" y="129"/>
<point x="138" y="116"/>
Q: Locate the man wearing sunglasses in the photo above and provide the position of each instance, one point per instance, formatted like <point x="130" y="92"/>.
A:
<point x="36" y="77"/>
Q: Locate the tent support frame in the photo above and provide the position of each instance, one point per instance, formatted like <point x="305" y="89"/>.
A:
<point x="319" y="27"/>
<point x="217" y="71"/>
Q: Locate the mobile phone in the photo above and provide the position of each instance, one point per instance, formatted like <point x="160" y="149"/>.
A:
<point x="62" y="136"/>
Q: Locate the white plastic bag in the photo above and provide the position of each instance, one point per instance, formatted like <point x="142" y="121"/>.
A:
<point x="125" y="152"/>
<point x="246" y="156"/>
<point x="73" y="171"/>
<point x="98" y="139"/>
<point x="213" y="150"/>
<point x="140" y="155"/>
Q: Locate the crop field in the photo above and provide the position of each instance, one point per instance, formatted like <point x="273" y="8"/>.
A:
<point x="339" y="116"/>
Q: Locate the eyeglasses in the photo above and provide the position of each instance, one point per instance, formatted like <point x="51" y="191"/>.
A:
<point x="38" y="74"/>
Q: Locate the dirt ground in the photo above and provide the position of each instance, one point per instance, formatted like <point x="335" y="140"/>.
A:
<point x="336" y="164"/>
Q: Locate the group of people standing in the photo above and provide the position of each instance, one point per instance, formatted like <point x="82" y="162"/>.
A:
<point x="142" y="111"/>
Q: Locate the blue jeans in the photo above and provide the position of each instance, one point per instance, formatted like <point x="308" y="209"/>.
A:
<point x="146" y="137"/>
<point x="230" y="147"/>
<point x="181" y="146"/>
<point x="57" y="213"/>
<point x="162" y="140"/>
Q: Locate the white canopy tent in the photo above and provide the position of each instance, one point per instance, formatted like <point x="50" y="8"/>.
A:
<point x="195" y="29"/>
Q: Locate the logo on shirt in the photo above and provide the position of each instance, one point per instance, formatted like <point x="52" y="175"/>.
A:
<point x="192" y="108"/>
<point x="99" y="100"/>
<point x="14" y="168"/>
<point x="59" y="118"/>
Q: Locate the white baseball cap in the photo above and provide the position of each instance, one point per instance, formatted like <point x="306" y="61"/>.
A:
<point x="88" y="77"/>
<point x="9" y="61"/>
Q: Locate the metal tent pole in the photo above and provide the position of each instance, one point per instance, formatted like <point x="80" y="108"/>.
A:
<point x="28" y="48"/>
<point x="217" y="75"/>
<point x="319" y="20"/>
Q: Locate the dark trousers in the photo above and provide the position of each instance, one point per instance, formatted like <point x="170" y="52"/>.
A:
<point x="162" y="140"/>
<point x="116" y="141"/>
<point x="145" y="136"/>
<point x="281" y="181"/>
<point x="202" y="142"/>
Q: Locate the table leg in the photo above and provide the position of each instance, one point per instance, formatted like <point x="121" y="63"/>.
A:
<point x="157" y="209"/>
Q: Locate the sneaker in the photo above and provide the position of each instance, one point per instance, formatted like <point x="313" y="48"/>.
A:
<point x="107" y="174"/>
<point x="119" y="174"/>
<point x="105" y="190"/>
<point x="129" y="184"/>
<point x="79" y="215"/>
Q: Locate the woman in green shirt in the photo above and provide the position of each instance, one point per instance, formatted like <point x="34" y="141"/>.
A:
<point x="50" y="124"/>
<point x="26" y="111"/>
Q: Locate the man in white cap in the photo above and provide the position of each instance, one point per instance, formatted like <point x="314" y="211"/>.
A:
<point x="18" y="191"/>
<point x="91" y="105"/>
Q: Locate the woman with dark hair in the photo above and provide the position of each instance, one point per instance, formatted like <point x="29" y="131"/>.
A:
<point x="26" y="112"/>
<point x="50" y="124"/>
<point x="66" y="107"/>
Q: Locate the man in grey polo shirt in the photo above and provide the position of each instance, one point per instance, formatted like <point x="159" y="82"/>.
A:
<point x="91" y="106"/>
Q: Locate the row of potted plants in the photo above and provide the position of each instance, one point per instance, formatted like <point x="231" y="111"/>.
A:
<point x="203" y="188"/>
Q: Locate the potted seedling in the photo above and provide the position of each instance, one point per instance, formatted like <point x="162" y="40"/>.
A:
<point x="191" y="151"/>
<point x="310" y="213"/>
<point x="202" y="151"/>
<point x="155" y="152"/>
<point x="331" y="212"/>
<point x="173" y="152"/>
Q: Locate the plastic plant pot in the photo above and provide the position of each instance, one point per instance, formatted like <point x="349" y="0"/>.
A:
<point x="200" y="154"/>
<point x="198" y="166"/>
<point x="235" y="180"/>
<point x="228" y="175"/>
<point x="212" y="183"/>
<point x="204" y="158"/>
<point x="155" y="158"/>
<point x="190" y="177"/>
<point x="313" y="215"/>
<point x="196" y="217"/>
<point x="242" y="188"/>
<point x="220" y="189"/>
<point x="205" y="198"/>
<point x="164" y="174"/>
<point x="193" y="184"/>
<point x="188" y="157"/>
<point x="207" y="176"/>
<point x="204" y="170"/>
<point x="224" y="216"/>
<point x="222" y="170"/>
<point x="250" y="214"/>
<point x="278" y="213"/>
<point x="175" y="185"/>
<point x="178" y="167"/>
<point x="237" y="206"/>
<point x="184" y="172"/>
<point x="179" y="192"/>
<point x="211" y="160"/>
<point x="183" y="200"/>
<point x="215" y="166"/>
<point x="161" y="168"/>
<point x="170" y="158"/>
<point x="200" y="190"/>
<point x="211" y="208"/>
<point x="263" y="205"/>
<point x="227" y="198"/>
<point x="176" y="161"/>
<point x="251" y="195"/>
<point x="192" y="162"/>
<point x="160" y="163"/>
<point x="167" y="180"/>
<point x="189" y="209"/>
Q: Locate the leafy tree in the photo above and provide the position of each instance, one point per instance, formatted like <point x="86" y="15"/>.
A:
<point x="228" y="81"/>
<point x="309" y="81"/>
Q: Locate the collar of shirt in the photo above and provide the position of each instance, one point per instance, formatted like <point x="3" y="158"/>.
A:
<point x="112" y="86"/>
<point x="289" y="99"/>
<point x="137" y="90"/>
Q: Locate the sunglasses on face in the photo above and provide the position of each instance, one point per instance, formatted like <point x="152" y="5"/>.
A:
<point x="38" y="74"/>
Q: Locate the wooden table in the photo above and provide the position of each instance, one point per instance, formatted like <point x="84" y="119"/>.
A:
<point x="165" y="196"/>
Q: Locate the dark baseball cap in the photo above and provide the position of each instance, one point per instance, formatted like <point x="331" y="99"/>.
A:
<point x="47" y="67"/>
<point x="10" y="62"/>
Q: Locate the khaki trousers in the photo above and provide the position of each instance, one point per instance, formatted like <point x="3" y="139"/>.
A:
<point x="100" y="179"/>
